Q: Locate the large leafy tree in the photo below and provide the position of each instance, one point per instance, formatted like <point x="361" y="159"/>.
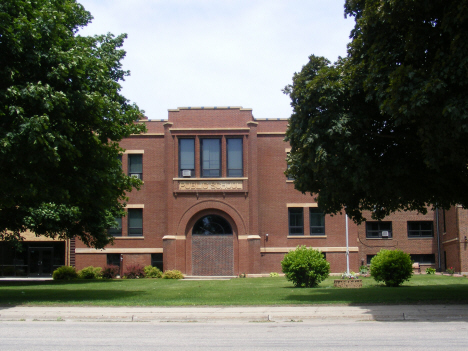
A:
<point x="61" y="117"/>
<point x="386" y="128"/>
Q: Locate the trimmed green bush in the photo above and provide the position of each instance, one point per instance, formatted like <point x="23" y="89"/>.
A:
<point x="430" y="270"/>
<point x="305" y="267"/>
<point x="90" y="273"/>
<point x="274" y="274"/>
<point x="110" y="271"/>
<point x="392" y="267"/>
<point x="65" y="273"/>
<point x="173" y="274"/>
<point x="152" y="272"/>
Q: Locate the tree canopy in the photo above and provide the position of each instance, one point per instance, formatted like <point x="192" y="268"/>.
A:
<point x="61" y="117"/>
<point x="386" y="128"/>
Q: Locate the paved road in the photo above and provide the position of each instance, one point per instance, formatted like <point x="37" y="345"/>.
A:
<point x="233" y="335"/>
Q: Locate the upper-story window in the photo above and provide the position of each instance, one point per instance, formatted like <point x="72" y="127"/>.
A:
<point x="234" y="157"/>
<point x="135" y="222"/>
<point x="422" y="229"/>
<point x="379" y="230"/>
<point x="210" y="151"/>
<point x="296" y="221"/>
<point x="135" y="165"/>
<point x="116" y="230"/>
<point x="317" y="222"/>
<point x="187" y="157"/>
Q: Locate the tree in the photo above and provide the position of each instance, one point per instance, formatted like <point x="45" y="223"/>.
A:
<point x="61" y="117"/>
<point x="385" y="128"/>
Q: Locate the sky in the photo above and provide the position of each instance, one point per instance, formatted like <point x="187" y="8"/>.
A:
<point x="195" y="53"/>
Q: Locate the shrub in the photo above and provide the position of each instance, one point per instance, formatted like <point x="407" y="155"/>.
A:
<point x="430" y="270"/>
<point x="363" y="269"/>
<point x="174" y="274"/>
<point x="450" y="270"/>
<point x="134" y="271"/>
<point x="152" y="272"/>
<point x="305" y="267"/>
<point x="274" y="274"/>
<point x="65" y="273"/>
<point x="110" y="271"/>
<point x="90" y="273"/>
<point x="392" y="267"/>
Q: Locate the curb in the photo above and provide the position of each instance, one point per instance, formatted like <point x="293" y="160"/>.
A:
<point x="244" y="314"/>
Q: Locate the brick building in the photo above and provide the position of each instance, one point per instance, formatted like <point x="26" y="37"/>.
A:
<point x="215" y="201"/>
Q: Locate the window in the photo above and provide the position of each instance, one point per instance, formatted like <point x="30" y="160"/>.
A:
<point x="212" y="225"/>
<point x="135" y="165"/>
<point x="234" y="157"/>
<point x="296" y="221"/>
<point x="289" y="177"/>
<point x="157" y="261"/>
<point x="380" y="230"/>
<point x="287" y="167"/>
<point x="186" y="157"/>
<point x="369" y="258"/>
<point x="135" y="222"/>
<point x="420" y="229"/>
<point x="113" y="260"/>
<point x="210" y="157"/>
<point x="317" y="222"/>
<point x="117" y="229"/>
<point x="423" y="259"/>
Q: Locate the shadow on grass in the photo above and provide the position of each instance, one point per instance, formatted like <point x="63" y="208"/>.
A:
<point x="64" y="292"/>
<point x="380" y="294"/>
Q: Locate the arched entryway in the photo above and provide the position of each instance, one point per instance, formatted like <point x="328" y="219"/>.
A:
<point x="212" y="246"/>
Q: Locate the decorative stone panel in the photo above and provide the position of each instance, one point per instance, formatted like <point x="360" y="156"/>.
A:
<point x="213" y="255"/>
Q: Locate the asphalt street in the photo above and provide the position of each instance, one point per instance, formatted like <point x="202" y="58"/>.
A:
<point x="233" y="335"/>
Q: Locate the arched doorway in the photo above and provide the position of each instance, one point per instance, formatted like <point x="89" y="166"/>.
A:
<point x="212" y="246"/>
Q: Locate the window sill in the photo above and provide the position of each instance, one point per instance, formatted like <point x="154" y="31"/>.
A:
<point x="420" y="237"/>
<point x="379" y="238"/>
<point x="306" y="236"/>
<point x="128" y="237"/>
<point x="289" y="181"/>
<point x="211" y="178"/>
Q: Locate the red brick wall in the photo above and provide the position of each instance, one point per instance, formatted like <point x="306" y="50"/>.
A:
<point x="86" y="260"/>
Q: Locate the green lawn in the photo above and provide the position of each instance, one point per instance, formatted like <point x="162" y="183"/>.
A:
<point x="250" y="291"/>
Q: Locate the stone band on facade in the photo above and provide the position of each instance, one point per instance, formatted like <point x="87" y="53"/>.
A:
<point x="211" y="185"/>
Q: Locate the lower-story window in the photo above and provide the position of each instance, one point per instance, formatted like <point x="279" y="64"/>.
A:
<point x="369" y="258"/>
<point x="157" y="261"/>
<point x="423" y="258"/>
<point x="113" y="260"/>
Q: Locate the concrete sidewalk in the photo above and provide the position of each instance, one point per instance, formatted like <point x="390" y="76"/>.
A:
<point x="252" y="314"/>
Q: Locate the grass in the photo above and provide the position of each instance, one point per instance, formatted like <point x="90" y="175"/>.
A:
<point x="421" y="289"/>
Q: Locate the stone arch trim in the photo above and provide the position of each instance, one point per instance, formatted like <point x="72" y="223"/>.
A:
<point x="206" y="205"/>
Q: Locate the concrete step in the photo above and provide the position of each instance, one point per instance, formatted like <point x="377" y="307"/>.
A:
<point x="211" y="277"/>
